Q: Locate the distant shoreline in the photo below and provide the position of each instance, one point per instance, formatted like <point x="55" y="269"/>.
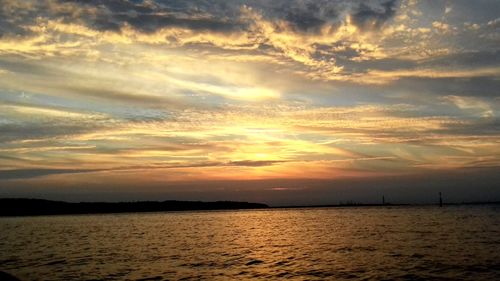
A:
<point x="11" y="207"/>
<point x="383" y="205"/>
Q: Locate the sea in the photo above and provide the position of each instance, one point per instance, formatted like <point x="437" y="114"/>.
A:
<point x="350" y="243"/>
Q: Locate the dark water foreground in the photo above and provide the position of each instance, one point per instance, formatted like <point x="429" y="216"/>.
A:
<point x="398" y="243"/>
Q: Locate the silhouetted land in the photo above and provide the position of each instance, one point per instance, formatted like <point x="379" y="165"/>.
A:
<point x="4" y="276"/>
<point x="37" y="207"/>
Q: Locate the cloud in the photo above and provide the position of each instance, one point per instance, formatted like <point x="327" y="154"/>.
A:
<point x="204" y="90"/>
<point x="373" y="15"/>
<point x="23" y="122"/>
<point x="472" y="104"/>
<point x="327" y="40"/>
<point x="241" y="25"/>
<point x="250" y="163"/>
<point x="151" y="16"/>
<point x="221" y="16"/>
<point x="17" y="174"/>
<point x="477" y="86"/>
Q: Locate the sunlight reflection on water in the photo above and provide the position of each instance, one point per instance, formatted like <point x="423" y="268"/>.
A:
<point x="400" y="243"/>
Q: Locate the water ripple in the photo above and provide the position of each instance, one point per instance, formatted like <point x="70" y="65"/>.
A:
<point x="410" y="243"/>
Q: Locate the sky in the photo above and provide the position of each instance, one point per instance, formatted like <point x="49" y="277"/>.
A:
<point x="282" y="102"/>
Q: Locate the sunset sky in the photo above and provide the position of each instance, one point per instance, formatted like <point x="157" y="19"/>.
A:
<point x="284" y="101"/>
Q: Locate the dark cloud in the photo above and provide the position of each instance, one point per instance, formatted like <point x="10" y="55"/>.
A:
<point x="22" y="174"/>
<point x="150" y="23"/>
<point x="199" y="15"/>
<point x="9" y="27"/>
<point x="122" y="96"/>
<point x="476" y="86"/>
<point x="373" y="15"/>
<point x="33" y="173"/>
<point x="346" y="56"/>
<point x="14" y="174"/>
<point x="14" y="20"/>
<point x="151" y="16"/>
<point x="308" y="16"/>
<point x="17" y="17"/>
<point x="223" y="16"/>
<point x="42" y="129"/>
<point x="482" y="127"/>
<point x="304" y="21"/>
<point x="465" y="60"/>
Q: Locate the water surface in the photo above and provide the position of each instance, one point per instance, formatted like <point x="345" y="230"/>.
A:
<point x="399" y="243"/>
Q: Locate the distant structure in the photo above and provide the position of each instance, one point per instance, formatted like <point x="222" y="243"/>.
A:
<point x="440" y="200"/>
<point x="383" y="200"/>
